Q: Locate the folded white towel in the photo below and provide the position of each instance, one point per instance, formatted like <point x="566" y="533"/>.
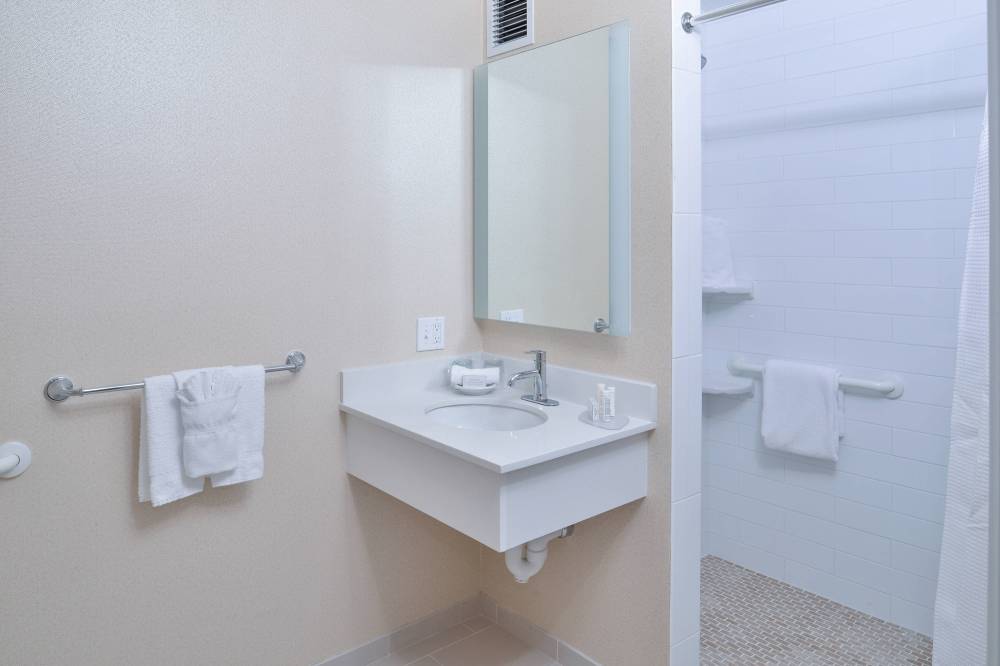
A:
<point x="161" y="466"/>
<point x="716" y="254"/>
<point x="208" y="406"/>
<point x="477" y="377"/>
<point x="803" y="409"/>
<point x="248" y="424"/>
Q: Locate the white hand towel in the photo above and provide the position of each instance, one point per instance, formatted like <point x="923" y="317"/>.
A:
<point x="717" y="255"/>
<point x="479" y="376"/>
<point x="161" y="466"/>
<point x="248" y="424"/>
<point x="208" y="404"/>
<point x="803" y="407"/>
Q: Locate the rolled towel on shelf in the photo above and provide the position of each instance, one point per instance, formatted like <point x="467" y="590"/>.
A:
<point x="803" y="409"/>
<point x="717" y="254"/>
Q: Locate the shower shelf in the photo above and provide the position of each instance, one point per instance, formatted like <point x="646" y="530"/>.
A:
<point x="726" y="385"/>
<point x="735" y="289"/>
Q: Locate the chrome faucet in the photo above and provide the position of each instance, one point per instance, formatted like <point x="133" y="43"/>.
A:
<point x="540" y="396"/>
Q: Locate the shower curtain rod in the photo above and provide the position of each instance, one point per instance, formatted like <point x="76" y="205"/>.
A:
<point x="689" y="20"/>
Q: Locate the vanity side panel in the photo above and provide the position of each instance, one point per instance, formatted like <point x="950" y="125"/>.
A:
<point x="543" y="498"/>
<point x="459" y="494"/>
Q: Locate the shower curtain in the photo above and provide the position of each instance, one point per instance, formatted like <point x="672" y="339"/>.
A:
<point x="960" y="608"/>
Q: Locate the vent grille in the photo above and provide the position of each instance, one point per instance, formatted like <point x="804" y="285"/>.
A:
<point x="509" y="24"/>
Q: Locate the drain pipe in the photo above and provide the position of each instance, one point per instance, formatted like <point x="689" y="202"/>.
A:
<point x="526" y="560"/>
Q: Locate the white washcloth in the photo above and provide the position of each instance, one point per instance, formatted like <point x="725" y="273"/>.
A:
<point x="478" y="377"/>
<point x="208" y="404"/>
<point x="161" y="466"/>
<point x="717" y="254"/>
<point x="803" y="409"/>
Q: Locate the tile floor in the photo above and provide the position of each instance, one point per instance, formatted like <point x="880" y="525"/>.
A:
<point x="748" y="618"/>
<point x="475" y="642"/>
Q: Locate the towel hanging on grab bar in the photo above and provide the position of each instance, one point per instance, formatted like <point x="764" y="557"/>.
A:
<point x="891" y="388"/>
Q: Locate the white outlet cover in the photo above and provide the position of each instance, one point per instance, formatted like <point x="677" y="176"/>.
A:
<point x="430" y="333"/>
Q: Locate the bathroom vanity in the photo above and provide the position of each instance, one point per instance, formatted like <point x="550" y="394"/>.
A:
<point x="552" y="248"/>
<point x="497" y="468"/>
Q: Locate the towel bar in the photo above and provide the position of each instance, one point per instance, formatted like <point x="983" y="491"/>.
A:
<point x="891" y="388"/>
<point x="61" y="388"/>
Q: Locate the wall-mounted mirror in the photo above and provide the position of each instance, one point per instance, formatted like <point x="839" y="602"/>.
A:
<point x="552" y="185"/>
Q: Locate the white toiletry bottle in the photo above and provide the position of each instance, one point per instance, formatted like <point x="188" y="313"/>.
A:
<point x="606" y="414"/>
<point x="610" y="391"/>
<point x="599" y="398"/>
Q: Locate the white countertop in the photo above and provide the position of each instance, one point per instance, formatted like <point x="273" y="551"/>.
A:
<point x="397" y="397"/>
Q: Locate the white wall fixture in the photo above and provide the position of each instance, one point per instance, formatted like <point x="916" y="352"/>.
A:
<point x="15" y="458"/>
<point x="430" y="333"/>
<point x="494" y="472"/>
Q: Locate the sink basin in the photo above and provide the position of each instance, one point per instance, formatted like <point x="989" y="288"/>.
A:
<point x="487" y="415"/>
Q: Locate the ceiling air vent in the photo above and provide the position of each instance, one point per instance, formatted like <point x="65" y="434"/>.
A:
<point x="510" y="24"/>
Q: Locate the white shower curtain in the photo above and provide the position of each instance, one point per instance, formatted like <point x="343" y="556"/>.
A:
<point x="960" y="608"/>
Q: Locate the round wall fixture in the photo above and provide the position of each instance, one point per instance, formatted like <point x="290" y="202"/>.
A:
<point x="15" y="458"/>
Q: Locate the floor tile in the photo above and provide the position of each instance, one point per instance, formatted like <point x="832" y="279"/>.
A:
<point x="492" y="647"/>
<point x="749" y="618"/>
<point x="412" y="653"/>
<point x="477" y="623"/>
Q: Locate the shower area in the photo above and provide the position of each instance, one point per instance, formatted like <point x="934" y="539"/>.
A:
<point x="839" y="154"/>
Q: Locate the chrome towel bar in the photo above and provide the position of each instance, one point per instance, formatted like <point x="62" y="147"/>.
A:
<point x="61" y="388"/>
<point x="891" y="388"/>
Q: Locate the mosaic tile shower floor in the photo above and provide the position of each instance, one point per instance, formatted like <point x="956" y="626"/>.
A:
<point x="748" y="619"/>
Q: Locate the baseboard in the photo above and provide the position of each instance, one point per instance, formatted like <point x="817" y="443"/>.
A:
<point x="407" y="634"/>
<point x="518" y="625"/>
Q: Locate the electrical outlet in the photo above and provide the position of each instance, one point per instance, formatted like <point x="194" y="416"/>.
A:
<point x="430" y="333"/>
<point x="512" y="315"/>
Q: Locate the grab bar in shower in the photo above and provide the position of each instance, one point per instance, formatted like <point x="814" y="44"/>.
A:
<point x="61" y="388"/>
<point x="891" y="388"/>
<point x="689" y="21"/>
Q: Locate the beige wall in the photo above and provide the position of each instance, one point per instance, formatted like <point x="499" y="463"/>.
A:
<point x="605" y="590"/>
<point x="186" y="184"/>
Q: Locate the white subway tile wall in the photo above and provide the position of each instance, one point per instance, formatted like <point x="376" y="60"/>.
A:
<point x="839" y="143"/>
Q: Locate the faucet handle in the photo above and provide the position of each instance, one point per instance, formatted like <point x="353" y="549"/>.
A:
<point x="539" y="357"/>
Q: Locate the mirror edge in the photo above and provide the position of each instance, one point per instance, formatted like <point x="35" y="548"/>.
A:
<point x="480" y="237"/>
<point x="620" y="172"/>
